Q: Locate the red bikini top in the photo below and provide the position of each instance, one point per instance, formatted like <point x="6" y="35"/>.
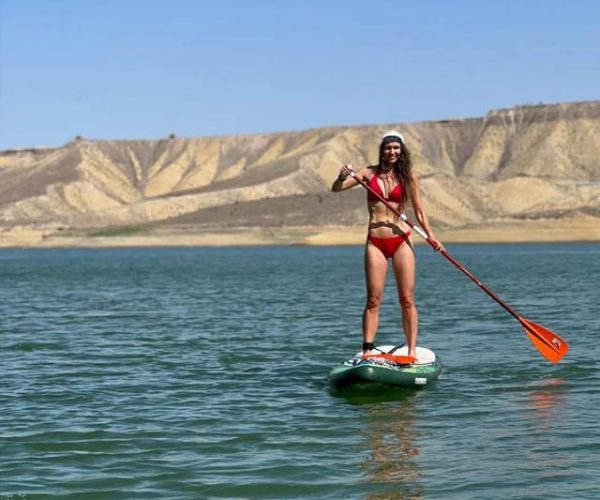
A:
<point x="395" y="195"/>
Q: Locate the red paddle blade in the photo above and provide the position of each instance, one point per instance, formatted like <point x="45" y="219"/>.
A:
<point x="550" y="345"/>
<point x="401" y="360"/>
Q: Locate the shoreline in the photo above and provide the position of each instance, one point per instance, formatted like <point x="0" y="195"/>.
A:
<point x="581" y="229"/>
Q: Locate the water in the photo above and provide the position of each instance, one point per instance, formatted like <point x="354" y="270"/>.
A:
<point x="202" y="373"/>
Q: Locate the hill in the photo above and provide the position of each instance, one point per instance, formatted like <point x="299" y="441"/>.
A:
<point x="524" y="173"/>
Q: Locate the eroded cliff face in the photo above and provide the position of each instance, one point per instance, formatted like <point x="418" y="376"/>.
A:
<point x="526" y="162"/>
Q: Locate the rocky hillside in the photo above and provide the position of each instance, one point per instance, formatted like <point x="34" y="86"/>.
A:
<point x="529" y="162"/>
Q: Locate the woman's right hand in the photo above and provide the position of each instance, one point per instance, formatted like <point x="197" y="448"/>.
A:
<point x="345" y="171"/>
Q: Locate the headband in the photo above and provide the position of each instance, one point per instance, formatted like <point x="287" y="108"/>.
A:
<point x="392" y="136"/>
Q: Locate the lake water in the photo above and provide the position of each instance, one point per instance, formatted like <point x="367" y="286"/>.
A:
<point x="202" y="373"/>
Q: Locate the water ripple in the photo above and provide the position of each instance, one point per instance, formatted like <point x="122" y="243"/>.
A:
<point x="201" y="373"/>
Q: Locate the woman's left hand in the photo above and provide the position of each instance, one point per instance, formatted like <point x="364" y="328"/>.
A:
<point x="436" y="244"/>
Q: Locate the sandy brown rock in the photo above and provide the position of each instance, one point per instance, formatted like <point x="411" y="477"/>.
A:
<point x="534" y="167"/>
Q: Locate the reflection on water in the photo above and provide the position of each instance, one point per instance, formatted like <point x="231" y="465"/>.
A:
<point x="393" y="463"/>
<point x="546" y="400"/>
<point x="544" y="408"/>
<point x="392" y="466"/>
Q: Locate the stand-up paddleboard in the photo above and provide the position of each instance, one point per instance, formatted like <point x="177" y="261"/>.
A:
<point x="385" y="369"/>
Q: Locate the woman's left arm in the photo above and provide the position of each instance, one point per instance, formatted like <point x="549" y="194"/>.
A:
<point x="417" y="204"/>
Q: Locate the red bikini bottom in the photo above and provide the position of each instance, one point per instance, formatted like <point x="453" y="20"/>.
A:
<point x="388" y="246"/>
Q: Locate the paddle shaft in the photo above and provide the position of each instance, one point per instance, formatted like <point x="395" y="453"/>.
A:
<point x="449" y="257"/>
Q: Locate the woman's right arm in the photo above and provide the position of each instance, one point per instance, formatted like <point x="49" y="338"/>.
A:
<point x="345" y="180"/>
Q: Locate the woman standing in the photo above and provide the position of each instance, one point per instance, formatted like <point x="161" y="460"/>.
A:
<point x="388" y="235"/>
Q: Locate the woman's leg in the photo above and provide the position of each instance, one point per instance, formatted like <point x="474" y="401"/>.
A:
<point x="404" y="271"/>
<point x="375" y="271"/>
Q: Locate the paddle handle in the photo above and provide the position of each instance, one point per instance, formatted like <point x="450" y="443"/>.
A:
<point x="426" y="237"/>
<point x="416" y="228"/>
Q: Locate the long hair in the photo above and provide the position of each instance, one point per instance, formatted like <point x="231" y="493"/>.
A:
<point x="402" y="168"/>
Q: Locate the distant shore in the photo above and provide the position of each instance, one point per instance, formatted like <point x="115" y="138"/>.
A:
<point x="539" y="231"/>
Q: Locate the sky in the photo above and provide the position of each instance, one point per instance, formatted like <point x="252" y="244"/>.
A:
<point x="143" y="69"/>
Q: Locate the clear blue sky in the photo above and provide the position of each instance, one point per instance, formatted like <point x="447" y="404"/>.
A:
<point x="124" y="69"/>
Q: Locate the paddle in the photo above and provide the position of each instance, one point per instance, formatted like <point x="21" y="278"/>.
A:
<point x="548" y="343"/>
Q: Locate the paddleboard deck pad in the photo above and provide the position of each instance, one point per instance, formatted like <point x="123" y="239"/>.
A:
<point x="358" y="370"/>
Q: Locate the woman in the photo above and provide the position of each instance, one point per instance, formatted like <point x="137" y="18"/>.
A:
<point x="388" y="235"/>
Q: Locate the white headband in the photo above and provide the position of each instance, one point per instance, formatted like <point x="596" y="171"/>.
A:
<point x="393" y="133"/>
